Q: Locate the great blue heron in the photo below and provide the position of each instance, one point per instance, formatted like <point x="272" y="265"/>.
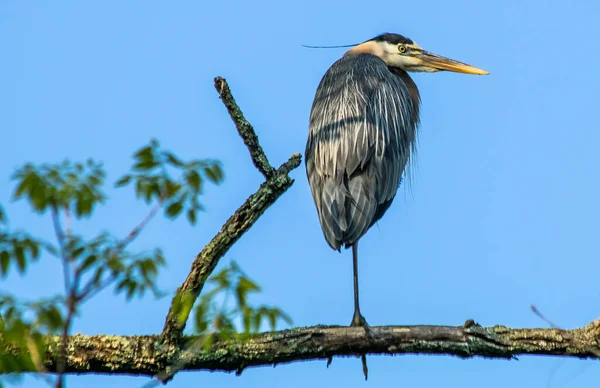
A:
<point x="363" y="126"/>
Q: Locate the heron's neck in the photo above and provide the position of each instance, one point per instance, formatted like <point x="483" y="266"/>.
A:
<point x="369" y="47"/>
<point x="412" y="87"/>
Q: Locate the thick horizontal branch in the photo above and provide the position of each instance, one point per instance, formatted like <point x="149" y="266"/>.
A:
<point x="238" y="224"/>
<point x="145" y="355"/>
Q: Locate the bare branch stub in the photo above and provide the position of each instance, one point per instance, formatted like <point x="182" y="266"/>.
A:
<point x="244" y="129"/>
<point x="145" y="355"/>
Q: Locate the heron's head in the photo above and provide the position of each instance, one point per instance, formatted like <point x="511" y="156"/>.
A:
<point x="402" y="53"/>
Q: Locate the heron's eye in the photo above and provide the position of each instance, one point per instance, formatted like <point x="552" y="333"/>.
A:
<point x="402" y="48"/>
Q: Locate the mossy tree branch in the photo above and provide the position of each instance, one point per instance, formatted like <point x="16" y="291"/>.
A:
<point x="239" y="223"/>
<point x="146" y="355"/>
<point x="247" y="133"/>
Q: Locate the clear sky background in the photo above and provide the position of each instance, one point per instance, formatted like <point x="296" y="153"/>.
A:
<point x="503" y="211"/>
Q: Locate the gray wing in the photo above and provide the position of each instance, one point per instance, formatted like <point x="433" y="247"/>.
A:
<point x="360" y="139"/>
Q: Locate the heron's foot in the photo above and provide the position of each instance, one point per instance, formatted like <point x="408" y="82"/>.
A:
<point x="359" y="321"/>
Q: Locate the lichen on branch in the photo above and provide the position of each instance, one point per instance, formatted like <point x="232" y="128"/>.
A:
<point x="146" y="355"/>
<point x="239" y="223"/>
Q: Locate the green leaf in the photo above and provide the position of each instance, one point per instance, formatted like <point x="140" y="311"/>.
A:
<point x="23" y="186"/>
<point x="123" y="181"/>
<point x="201" y="319"/>
<point x="77" y="252"/>
<point x="174" y="209"/>
<point x="129" y="286"/>
<point x="159" y="257"/>
<point x="246" y="317"/>
<point x="214" y="173"/>
<point x="3" y="219"/>
<point x="88" y="262"/>
<point x="85" y="203"/>
<point x="193" y="179"/>
<point x="145" y="165"/>
<point x="256" y="320"/>
<point x="155" y="189"/>
<point x="244" y="287"/>
<point x="139" y="188"/>
<point x="276" y="313"/>
<point x="50" y="249"/>
<point x="173" y="159"/>
<point x="223" y="279"/>
<point x="50" y="317"/>
<point x="97" y="277"/>
<point x="132" y="287"/>
<point x="148" y="193"/>
<point x="4" y="262"/>
<point x="144" y="153"/>
<point x="272" y="314"/>
<point x="34" y="248"/>
<point x="38" y="196"/>
<point x="171" y="188"/>
<point x="191" y="216"/>
<point x="148" y="268"/>
<point x="20" y="257"/>
<point x="115" y="265"/>
<point x="248" y="285"/>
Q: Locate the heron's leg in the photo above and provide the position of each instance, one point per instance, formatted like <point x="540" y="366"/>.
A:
<point x="358" y="319"/>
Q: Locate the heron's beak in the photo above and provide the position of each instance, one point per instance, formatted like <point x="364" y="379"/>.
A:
<point x="442" y="63"/>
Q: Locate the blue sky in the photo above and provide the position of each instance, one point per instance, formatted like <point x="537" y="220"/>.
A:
<point x="502" y="213"/>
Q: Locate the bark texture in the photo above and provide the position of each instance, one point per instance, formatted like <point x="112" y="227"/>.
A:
<point x="239" y="223"/>
<point x="146" y="355"/>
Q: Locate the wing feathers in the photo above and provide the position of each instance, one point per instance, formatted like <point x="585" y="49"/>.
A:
<point x="361" y="136"/>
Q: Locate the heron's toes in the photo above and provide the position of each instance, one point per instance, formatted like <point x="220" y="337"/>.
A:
<point x="359" y="321"/>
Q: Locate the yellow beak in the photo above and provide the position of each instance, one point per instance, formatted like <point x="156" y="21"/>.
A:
<point x="442" y="63"/>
